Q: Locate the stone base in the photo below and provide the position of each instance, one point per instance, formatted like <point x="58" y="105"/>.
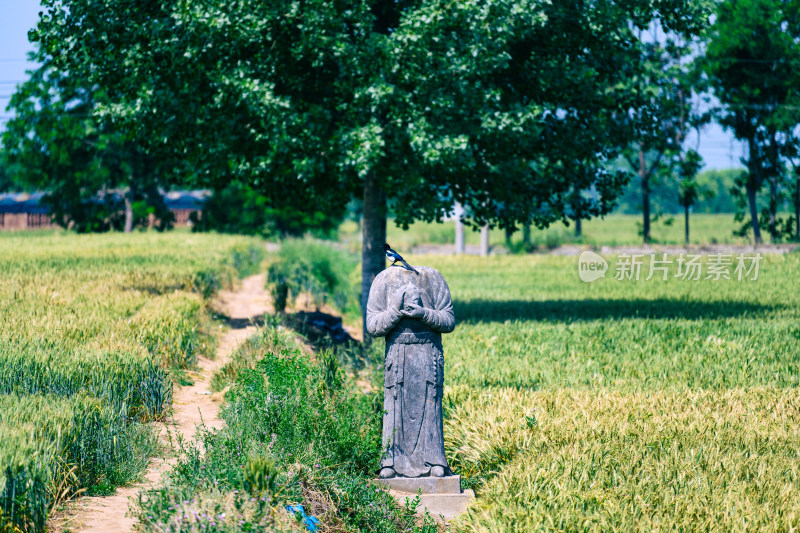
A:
<point x="429" y="485"/>
<point x="442" y="507"/>
<point x="441" y="496"/>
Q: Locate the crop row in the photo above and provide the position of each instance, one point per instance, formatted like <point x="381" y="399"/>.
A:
<point x="94" y="327"/>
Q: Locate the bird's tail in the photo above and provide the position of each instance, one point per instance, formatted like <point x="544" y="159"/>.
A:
<point x="412" y="269"/>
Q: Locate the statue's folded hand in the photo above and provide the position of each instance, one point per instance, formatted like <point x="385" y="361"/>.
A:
<point x="396" y="301"/>
<point x="413" y="311"/>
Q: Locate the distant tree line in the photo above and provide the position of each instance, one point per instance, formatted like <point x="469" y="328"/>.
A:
<point x="715" y="194"/>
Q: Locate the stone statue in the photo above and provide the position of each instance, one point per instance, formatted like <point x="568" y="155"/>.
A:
<point x="412" y="310"/>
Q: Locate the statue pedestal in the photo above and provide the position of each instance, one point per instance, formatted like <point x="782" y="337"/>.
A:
<point x="441" y="496"/>
<point x="429" y="485"/>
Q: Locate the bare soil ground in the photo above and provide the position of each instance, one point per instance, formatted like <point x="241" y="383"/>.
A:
<point x="192" y="405"/>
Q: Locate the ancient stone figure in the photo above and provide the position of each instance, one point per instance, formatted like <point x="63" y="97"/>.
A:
<point x="412" y="311"/>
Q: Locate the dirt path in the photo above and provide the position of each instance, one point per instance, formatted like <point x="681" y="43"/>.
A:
<point x="192" y="404"/>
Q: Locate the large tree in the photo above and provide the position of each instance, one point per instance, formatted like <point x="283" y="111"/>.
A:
<point x="417" y="103"/>
<point x="751" y="62"/>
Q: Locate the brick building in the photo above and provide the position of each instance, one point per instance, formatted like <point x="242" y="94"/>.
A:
<point x="23" y="211"/>
<point x="19" y="211"/>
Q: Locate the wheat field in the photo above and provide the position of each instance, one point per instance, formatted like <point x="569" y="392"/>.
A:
<point x="95" y="329"/>
<point x="623" y="405"/>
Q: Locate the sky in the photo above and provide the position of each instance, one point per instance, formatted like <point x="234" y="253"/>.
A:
<point x="16" y="18"/>
<point x="718" y="148"/>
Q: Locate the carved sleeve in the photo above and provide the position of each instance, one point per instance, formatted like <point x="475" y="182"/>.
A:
<point x="440" y="317"/>
<point x="380" y="318"/>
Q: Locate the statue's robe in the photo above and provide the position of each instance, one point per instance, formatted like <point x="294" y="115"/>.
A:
<point x="414" y="366"/>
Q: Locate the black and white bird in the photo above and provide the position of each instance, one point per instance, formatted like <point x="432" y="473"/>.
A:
<point x="394" y="257"/>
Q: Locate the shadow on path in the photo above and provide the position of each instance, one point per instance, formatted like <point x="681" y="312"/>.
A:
<point x="242" y="323"/>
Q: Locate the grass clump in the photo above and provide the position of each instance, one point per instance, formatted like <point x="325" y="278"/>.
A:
<point x="297" y="431"/>
<point x="316" y="269"/>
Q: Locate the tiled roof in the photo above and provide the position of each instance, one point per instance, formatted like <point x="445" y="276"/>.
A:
<point x="22" y="203"/>
<point x="186" y="199"/>
<point x="31" y="203"/>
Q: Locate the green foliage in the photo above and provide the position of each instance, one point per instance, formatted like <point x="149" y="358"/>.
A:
<point x="272" y="339"/>
<point x="291" y="436"/>
<point x="663" y="115"/>
<point x="92" y="329"/>
<point x="7" y="183"/>
<point x="767" y="210"/>
<point x="690" y="190"/>
<point x="316" y="269"/>
<point x="57" y="143"/>
<point x="239" y="208"/>
<point x="718" y="184"/>
<point x="412" y="103"/>
<point x="297" y="404"/>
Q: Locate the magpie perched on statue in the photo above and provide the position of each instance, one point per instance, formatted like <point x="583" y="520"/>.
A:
<point x="394" y="257"/>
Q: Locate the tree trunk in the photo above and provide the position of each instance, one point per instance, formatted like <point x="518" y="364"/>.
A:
<point x="458" y="213"/>
<point x="686" y="224"/>
<point x="773" y="209"/>
<point x="459" y="237"/>
<point x="373" y="260"/>
<point x="753" y="184"/>
<point x="526" y="236"/>
<point x="576" y="211"/>
<point x="485" y="240"/>
<point x="751" y="200"/>
<point x="774" y="182"/>
<point x="645" y="176"/>
<point x="129" y="198"/>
